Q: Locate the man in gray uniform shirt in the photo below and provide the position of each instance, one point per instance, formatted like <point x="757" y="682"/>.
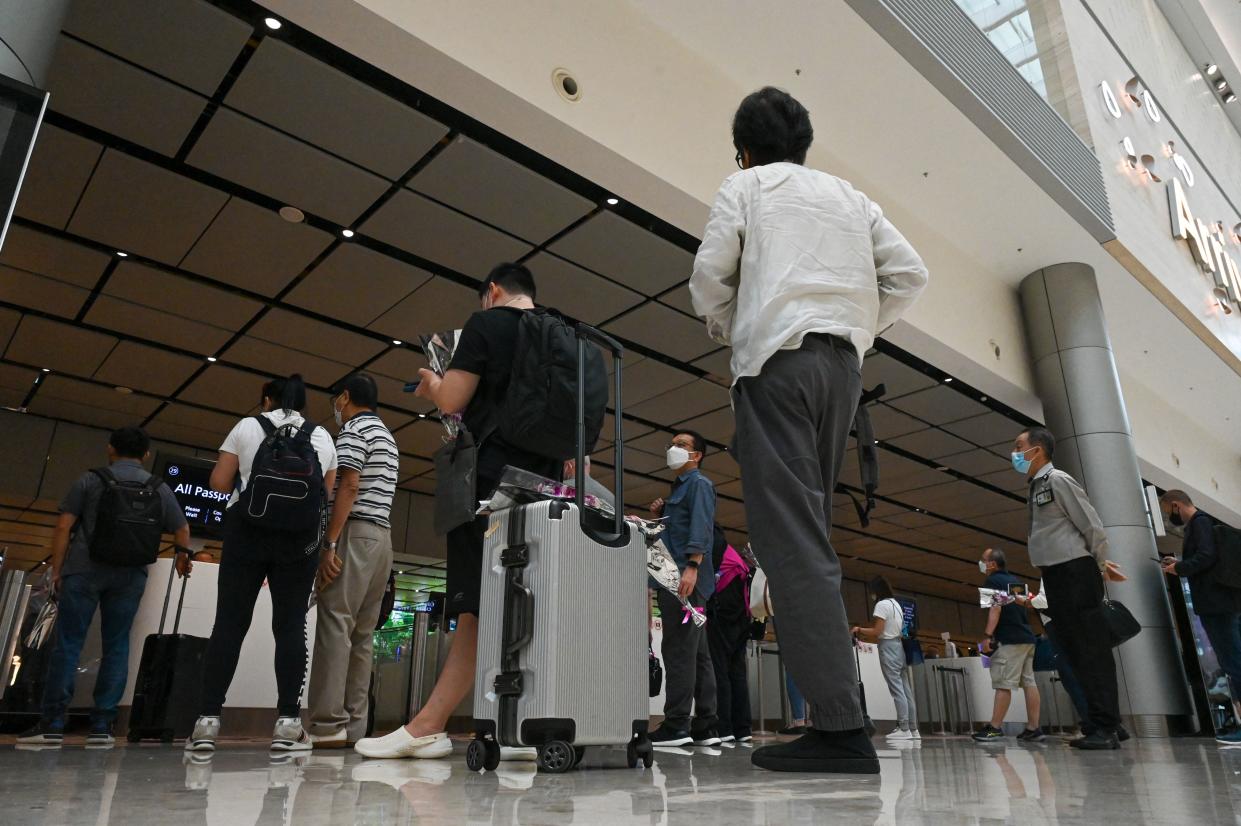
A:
<point x="1068" y="543"/>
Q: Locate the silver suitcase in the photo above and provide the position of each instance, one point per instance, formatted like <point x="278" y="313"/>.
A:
<point x="562" y="633"/>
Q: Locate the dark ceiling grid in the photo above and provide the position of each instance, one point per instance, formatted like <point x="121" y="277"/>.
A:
<point x="217" y="98"/>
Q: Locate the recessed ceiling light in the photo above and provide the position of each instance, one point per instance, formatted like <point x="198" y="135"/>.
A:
<point x="948" y="380"/>
<point x="346" y="233"/>
<point x="1230" y="97"/>
<point x="211" y="359"/>
<point x="1212" y="69"/>
<point x="1221" y="84"/>
<point x="983" y="399"/>
<point x="120" y="254"/>
<point x="124" y="391"/>
<point x="47" y="370"/>
<point x="272" y="23"/>
<point x="942" y="468"/>
<point x="613" y="201"/>
<point x="292" y="214"/>
<point x="396" y="342"/>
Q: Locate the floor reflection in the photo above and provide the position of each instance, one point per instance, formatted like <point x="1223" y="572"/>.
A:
<point x="939" y="781"/>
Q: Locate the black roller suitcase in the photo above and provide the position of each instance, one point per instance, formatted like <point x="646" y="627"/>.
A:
<point x="168" y="690"/>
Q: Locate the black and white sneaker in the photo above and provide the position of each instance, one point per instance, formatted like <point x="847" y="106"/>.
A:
<point x="1032" y="735"/>
<point x="988" y="734"/>
<point x="43" y="734"/>
<point x="289" y="735"/>
<point x="100" y="735"/>
<point x="706" y="737"/>
<point x="206" y="732"/>
<point x="665" y="736"/>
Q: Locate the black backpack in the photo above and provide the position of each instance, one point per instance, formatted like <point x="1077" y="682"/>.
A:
<point x="539" y="411"/>
<point x="129" y="521"/>
<point x="285" y="491"/>
<point x="1227" y="568"/>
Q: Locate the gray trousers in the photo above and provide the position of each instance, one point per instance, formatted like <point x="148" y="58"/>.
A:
<point x="793" y="421"/>
<point x="688" y="670"/>
<point x="892" y="663"/>
<point x="348" y="610"/>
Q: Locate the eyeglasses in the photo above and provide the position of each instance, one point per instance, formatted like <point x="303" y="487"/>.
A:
<point x="682" y="445"/>
<point x="740" y="159"/>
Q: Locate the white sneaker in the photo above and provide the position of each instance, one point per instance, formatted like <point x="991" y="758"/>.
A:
<point x="900" y="734"/>
<point x="727" y="738"/>
<point x="336" y="740"/>
<point x="917" y="734"/>
<point x="206" y="732"/>
<point x="289" y="735"/>
<point x="401" y="743"/>
<point x="517" y="753"/>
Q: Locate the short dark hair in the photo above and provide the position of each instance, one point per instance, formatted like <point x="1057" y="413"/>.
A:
<point x="514" y="279"/>
<point x="772" y="126"/>
<point x="286" y="394"/>
<point x="1177" y="497"/>
<point x="1041" y="437"/>
<point x="999" y="558"/>
<point x="700" y="444"/>
<point x="363" y="392"/>
<point x="881" y="588"/>
<point x="130" y="442"/>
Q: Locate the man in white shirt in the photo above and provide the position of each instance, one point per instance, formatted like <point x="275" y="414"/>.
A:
<point x="797" y="272"/>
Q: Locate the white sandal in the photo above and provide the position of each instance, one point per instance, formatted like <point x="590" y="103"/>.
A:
<point x="401" y="743"/>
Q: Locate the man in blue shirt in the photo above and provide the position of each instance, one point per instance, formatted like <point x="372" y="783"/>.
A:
<point x="1010" y="644"/>
<point x="689" y="515"/>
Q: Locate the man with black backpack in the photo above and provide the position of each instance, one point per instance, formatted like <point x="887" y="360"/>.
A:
<point x="1217" y="604"/>
<point x="513" y="380"/>
<point x="108" y="532"/>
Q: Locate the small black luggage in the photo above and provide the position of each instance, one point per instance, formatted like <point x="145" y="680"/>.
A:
<point x="168" y="690"/>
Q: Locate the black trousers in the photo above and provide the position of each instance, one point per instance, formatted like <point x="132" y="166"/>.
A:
<point x="728" y="630"/>
<point x="288" y="563"/>
<point x="1075" y="605"/>
<point x="689" y="675"/>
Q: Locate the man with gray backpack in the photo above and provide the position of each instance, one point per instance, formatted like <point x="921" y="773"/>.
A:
<point x="107" y="534"/>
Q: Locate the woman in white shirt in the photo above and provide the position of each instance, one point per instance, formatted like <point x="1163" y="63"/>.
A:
<point x="889" y="620"/>
<point x="258" y="549"/>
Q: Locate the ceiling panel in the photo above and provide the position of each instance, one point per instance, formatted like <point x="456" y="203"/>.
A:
<point x="646" y="380"/>
<point x="437" y="305"/>
<point x="246" y="152"/>
<point x="421" y="437"/>
<point x="59" y="396"/>
<point x="312" y="336"/>
<point x="219" y="424"/>
<point x="975" y="462"/>
<point x="156" y="325"/>
<point x="356" y="284"/>
<point x="188" y="41"/>
<point x="718" y="365"/>
<point x="502" y="192"/>
<point x="401" y="364"/>
<point x="437" y="233"/>
<point x="576" y="292"/>
<point x="931" y="444"/>
<point x="40" y="342"/>
<point x="898" y="378"/>
<point x="15" y="383"/>
<point x="138" y="207"/>
<point x="181" y="297"/>
<point x="889" y="423"/>
<point x="59" y="168"/>
<point x="683" y="403"/>
<point x="226" y="388"/>
<point x="121" y="99"/>
<point x="410" y="466"/>
<point x="1008" y="480"/>
<point x="718" y="426"/>
<point x="144" y="368"/>
<point x="277" y="360"/>
<point x="624" y="252"/>
<point x="664" y="330"/>
<point x="421" y="485"/>
<point x="629" y="429"/>
<point x="680" y="299"/>
<point x="78" y="413"/>
<point x="44" y="254"/>
<point x="939" y="405"/>
<point x="38" y="293"/>
<point x="325" y="107"/>
<point x="254" y="248"/>
<point x="987" y="429"/>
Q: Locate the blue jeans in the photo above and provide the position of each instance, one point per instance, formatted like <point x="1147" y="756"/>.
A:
<point x="116" y="592"/>
<point x="797" y="703"/>
<point x="1068" y="679"/>
<point x="1224" y="632"/>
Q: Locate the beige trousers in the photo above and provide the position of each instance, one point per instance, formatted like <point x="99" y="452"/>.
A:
<point x="348" y="610"/>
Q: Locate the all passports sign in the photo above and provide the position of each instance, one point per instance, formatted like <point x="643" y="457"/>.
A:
<point x="1214" y="245"/>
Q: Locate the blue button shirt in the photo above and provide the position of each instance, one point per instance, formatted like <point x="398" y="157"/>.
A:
<point x="689" y="513"/>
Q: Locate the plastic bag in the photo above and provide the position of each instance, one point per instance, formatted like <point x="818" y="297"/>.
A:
<point x="521" y="487"/>
<point x="662" y="568"/>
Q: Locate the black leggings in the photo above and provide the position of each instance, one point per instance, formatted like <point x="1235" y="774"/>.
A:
<point x="288" y="562"/>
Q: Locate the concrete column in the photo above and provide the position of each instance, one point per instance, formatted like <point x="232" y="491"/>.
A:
<point x="1075" y="374"/>
<point x="29" y="29"/>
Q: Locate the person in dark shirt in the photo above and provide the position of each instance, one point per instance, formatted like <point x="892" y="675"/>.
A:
<point x="1010" y="643"/>
<point x="1217" y="606"/>
<point x="474" y="386"/>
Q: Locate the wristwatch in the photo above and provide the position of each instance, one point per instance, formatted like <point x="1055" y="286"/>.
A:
<point x="330" y="544"/>
<point x="181" y="549"/>
<point x="690" y="563"/>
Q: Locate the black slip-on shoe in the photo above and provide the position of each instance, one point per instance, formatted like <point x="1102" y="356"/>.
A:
<point x="821" y="751"/>
<point x="1097" y="741"/>
<point x="666" y="736"/>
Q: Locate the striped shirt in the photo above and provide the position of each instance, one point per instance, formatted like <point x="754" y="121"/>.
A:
<point x="365" y="444"/>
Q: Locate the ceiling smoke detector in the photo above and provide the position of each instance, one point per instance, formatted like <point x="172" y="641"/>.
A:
<point x="292" y="214"/>
<point x="566" y="85"/>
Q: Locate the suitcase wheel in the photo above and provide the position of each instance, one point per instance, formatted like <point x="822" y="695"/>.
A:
<point x="556" y="757"/>
<point x="579" y="754"/>
<point x="482" y="755"/>
<point x="640" y="749"/>
<point x="133" y="737"/>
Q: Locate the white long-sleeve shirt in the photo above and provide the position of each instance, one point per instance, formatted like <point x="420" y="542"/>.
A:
<point x="790" y="251"/>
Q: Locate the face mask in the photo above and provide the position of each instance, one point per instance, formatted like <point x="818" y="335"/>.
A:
<point x="677" y="457"/>
<point x="1020" y="463"/>
<point x="1175" y="518"/>
<point x="982" y="565"/>
<point x="338" y="415"/>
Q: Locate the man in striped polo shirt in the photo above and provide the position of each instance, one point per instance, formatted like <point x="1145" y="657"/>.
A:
<point x="356" y="561"/>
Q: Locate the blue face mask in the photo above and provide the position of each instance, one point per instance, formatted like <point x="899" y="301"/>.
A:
<point x="1020" y="463"/>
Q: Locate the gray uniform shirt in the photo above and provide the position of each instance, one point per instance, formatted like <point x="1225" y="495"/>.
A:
<point x="1063" y="525"/>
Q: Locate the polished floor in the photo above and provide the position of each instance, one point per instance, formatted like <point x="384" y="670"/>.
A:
<point x="950" y="781"/>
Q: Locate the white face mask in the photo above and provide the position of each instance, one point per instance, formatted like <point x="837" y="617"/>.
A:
<point x="338" y="415"/>
<point x="982" y="565"/>
<point x="677" y="457"/>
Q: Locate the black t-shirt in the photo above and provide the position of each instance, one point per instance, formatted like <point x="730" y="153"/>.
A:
<point x="1014" y="625"/>
<point x="1199" y="556"/>
<point x="486" y="349"/>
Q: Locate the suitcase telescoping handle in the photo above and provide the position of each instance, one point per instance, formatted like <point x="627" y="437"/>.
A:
<point x="163" y="614"/>
<point x="620" y="532"/>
